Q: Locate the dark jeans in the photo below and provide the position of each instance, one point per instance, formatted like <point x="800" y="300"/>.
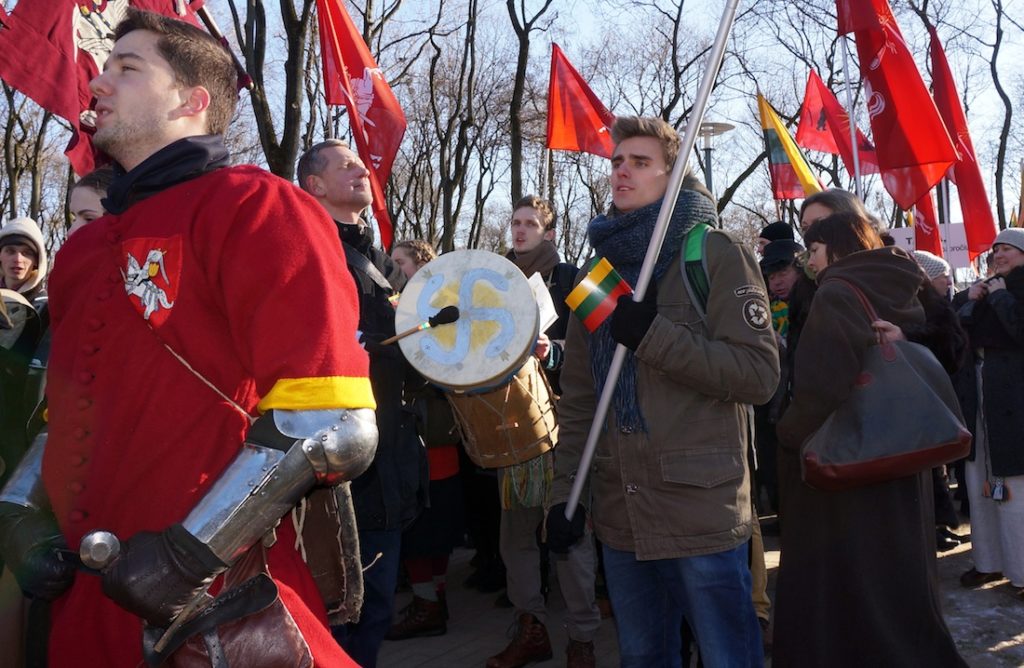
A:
<point x="362" y="640"/>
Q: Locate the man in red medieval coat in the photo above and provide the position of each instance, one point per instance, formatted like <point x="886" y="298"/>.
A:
<point x="204" y="377"/>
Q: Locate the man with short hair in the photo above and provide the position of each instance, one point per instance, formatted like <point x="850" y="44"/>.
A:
<point x="669" y="485"/>
<point x="389" y="495"/>
<point x="534" y="252"/>
<point x="191" y="407"/>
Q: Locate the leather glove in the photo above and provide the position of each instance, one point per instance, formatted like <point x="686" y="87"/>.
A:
<point x="631" y="320"/>
<point x="371" y="344"/>
<point x="561" y="533"/>
<point x="158" y="574"/>
<point x="29" y="544"/>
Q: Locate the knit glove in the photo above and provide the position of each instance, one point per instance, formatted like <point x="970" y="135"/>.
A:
<point x="158" y="574"/>
<point x="29" y="544"/>
<point x="561" y="533"/>
<point x="631" y="320"/>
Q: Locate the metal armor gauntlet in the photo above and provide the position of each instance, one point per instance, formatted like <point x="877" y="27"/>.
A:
<point x="286" y="453"/>
<point x="29" y="537"/>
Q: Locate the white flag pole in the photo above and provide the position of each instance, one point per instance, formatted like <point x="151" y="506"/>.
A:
<point x="654" y="248"/>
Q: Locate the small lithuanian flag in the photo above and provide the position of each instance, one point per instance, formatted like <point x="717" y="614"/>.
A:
<point x="594" y="299"/>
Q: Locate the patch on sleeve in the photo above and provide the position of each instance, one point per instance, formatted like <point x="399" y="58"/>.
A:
<point x="756" y="314"/>
<point x="747" y="290"/>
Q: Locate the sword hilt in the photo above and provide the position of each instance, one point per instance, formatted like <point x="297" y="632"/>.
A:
<point x="99" y="549"/>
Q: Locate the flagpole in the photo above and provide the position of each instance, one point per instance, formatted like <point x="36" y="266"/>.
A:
<point x="668" y="204"/>
<point x="850" y="117"/>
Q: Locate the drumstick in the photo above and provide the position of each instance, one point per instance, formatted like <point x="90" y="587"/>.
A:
<point x="445" y="316"/>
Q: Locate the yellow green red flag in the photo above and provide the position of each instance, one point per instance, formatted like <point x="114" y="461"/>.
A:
<point x="594" y="299"/>
<point x="784" y="157"/>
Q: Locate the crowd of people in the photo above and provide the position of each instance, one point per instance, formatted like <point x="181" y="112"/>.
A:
<point x="212" y="381"/>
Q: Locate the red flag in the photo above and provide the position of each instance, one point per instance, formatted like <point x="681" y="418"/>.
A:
<point x="825" y="126"/>
<point x="979" y="225"/>
<point x="926" y="226"/>
<point x="917" y="150"/>
<point x="577" y="121"/>
<point x="352" y="78"/>
<point x="857" y="15"/>
<point x="51" y="49"/>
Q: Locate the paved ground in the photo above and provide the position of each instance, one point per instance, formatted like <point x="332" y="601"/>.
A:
<point x="988" y="624"/>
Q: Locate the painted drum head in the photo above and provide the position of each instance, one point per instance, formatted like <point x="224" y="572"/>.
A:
<point x="497" y="326"/>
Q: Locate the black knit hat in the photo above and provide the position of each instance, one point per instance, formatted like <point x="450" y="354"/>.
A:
<point x="776" y="231"/>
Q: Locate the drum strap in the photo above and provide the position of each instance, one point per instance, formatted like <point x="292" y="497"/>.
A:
<point x="359" y="261"/>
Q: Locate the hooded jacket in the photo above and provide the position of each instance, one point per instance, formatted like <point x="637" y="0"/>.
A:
<point x="26" y="227"/>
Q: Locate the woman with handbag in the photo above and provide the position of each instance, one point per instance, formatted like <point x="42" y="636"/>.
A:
<point x="994" y="319"/>
<point x="857" y="580"/>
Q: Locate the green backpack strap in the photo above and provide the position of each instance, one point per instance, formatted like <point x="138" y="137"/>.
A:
<point x="694" y="266"/>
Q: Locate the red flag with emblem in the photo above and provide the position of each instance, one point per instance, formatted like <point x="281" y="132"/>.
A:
<point x="51" y="49"/>
<point x="352" y="78"/>
<point x="825" y="126"/>
<point x="979" y="225"/>
<point x="917" y="150"/>
<point x="926" y="226"/>
<point x="577" y="120"/>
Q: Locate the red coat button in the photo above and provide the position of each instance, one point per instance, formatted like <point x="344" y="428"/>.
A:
<point x="85" y="377"/>
<point x="77" y="515"/>
<point x="76" y="487"/>
<point x="80" y="433"/>
<point x="84" y="402"/>
<point x="95" y="324"/>
<point x="103" y="295"/>
<point x="89" y="349"/>
<point x="77" y="460"/>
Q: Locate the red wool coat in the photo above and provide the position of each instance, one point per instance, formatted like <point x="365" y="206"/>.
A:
<point x="242" y="275"/>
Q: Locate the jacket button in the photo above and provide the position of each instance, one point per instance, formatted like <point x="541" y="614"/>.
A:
<point x="113" y="237"/>
<point x="89" y="349"/>
<point x="80" y="433"/>
<point x="95" y="324"/>
<point x="85" y="377"/>
<point x="105" y="294"/>
<point x="77" y="515"/>
<point x="76" y="487"/>
<point x="114" y="277"/>
<point x="626" y="430"/>
<point x="83" y="403"/>
<point x="631" y="488"/>
<point x="77" y="460"/>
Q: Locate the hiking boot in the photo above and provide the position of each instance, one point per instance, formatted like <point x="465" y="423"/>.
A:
<point x="530" y="643"/>
<point x="423" y="618"/>
<point x="580" y="654"/>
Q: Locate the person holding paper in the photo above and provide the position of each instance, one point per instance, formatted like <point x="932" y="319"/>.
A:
<point x="525" y="487"/>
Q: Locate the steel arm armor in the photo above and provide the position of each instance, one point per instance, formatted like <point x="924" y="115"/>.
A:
<point x="25" y="486"/>
<point x="286" y="453"/>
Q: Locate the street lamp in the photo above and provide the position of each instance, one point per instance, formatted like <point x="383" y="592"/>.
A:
<point x="708" y="131"/>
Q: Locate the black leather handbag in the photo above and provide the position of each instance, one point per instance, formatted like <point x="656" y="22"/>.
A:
<point x="902" y="417"/>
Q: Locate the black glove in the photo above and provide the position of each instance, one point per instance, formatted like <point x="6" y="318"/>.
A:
<point x="29" y="544"/>
<point x="631" y="320"/>
<point x="371" y="343"/>
<point x="561" y="533"/>
<point x="158" y="574"/>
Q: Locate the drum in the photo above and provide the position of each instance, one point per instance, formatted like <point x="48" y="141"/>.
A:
<point x="509" y="425"/>
<point x="497" y="326"/>
<point x="500" y="397"/>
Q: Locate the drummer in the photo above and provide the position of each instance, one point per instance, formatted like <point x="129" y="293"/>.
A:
<point x="533" y="251"/>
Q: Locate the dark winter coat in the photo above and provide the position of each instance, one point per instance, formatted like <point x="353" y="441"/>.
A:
<point x="390" y="494"/>
<point x="857" y="580"/>
<point x="996" y="325"/>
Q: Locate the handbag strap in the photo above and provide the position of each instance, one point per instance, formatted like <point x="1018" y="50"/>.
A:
<point x="868" y="308"/>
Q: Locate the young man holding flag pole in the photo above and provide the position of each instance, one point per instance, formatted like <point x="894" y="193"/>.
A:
<point x="656" y="455"/>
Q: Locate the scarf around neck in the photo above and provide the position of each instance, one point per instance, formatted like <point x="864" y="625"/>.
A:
<point x="541" y="259"/>
<point x="175" y="163"/>
<point x="622" y="239"/>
